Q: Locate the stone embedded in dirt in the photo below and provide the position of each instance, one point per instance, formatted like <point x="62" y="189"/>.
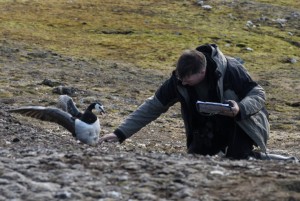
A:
<point x="7" y="100"/>
<point x="200" y="2"/>
<point x="250" y="24"/>
<point x="8" y="50"/>
<point x="62" y="90"/>
<point x="293" y="60"/>
<point x="280" y="21"/>
<point x="295" y="104"/>
<point x="249" y="49"/>
<point x="38" y="54"/>
<point x="290" y="60"/>
<point x="63" y="195"/>
<point x="206" y="7"/>
<point x="113" y="194"/>
<point x="50" y="83"/>
<point x="16" y="140"/>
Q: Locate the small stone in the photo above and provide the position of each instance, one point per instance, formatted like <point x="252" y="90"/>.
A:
<point x="64" y="90"/>
<point x="16" y="140"/>
<point x="50" y="83"/>
<point x="114" y="194"/>
<point x="38" y="54"/>
<point x="200" y="3"/>
<point x="281" y="21"/>
<point x="217" y="172"/>
<point x="123" y="178"/>
<point x="131" y="166"/>
<point x="146" y="196"/>
<point x="206" y="7"/>
<point x="249" y="49"/>
<point x="63" y="195"/>
<point x="293" y="60"/>
<point x="290" y="60"/>
<point x="144" y="177"/>
<point x="249" y="24"/>
<point x="183" y="193"/>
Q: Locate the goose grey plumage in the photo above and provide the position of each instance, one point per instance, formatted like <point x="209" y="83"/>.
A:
<point x="86" y="128"/>
<point x="67" y="104"/>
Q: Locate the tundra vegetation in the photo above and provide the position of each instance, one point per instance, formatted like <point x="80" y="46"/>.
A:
<point x="119" y="52"/>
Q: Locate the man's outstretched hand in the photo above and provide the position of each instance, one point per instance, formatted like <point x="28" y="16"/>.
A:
<point x="111" y="137"/>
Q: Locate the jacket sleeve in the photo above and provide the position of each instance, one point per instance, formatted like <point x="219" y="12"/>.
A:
<point x="251" y="95"/>
<point x="253" y="102"/>
<point x="150" y="110"/>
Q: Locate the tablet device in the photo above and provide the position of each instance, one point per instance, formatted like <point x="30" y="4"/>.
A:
<point x="212" y="107"/>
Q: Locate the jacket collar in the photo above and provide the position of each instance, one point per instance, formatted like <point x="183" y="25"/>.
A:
<point x="214" y="52"/>
<point x="218" y="57"/>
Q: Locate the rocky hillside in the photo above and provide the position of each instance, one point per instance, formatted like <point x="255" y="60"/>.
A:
<point x="119" y="53"/>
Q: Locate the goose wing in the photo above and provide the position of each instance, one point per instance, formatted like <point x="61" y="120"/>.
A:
<point x="67" y="104"/>
<point x="48" y="114"/>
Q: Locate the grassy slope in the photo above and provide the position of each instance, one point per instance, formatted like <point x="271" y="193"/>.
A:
<point x="152" y="33"/>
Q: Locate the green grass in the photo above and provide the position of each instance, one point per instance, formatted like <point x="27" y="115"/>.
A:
<point x="150" y="34"/>
<point x="289" y="3"/>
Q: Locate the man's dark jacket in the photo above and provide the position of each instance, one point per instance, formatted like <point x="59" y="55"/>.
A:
<point x="232" y="83"/>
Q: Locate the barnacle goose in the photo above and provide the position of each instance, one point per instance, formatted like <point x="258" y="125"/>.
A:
<point x="85" y="126"/>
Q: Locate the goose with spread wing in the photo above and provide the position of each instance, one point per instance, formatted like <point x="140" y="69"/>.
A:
<point x="85" y="126"/>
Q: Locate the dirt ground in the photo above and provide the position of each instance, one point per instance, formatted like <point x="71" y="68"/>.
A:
<point x="41" y="161"/>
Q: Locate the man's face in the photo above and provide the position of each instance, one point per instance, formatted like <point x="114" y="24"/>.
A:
<point x="194" y="79"/>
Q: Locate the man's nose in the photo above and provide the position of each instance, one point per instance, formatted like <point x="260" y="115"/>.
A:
<point x="184" y="82"/>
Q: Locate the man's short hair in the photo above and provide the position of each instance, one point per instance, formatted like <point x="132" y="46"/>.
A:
<point x="190" y="62"/>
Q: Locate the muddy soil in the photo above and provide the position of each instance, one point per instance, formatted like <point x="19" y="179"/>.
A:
<point x="41" y="161"/>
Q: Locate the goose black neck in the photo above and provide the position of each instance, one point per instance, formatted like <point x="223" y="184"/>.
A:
<point x="88" y="116"/>
<point x="91" y="107"/>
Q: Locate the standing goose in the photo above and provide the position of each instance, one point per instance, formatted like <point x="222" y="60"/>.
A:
<point x="86" y="128"/>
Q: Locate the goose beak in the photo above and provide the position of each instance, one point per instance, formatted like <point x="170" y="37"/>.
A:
<point x="99" y="108"/>
<point x="102" y="111"/>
